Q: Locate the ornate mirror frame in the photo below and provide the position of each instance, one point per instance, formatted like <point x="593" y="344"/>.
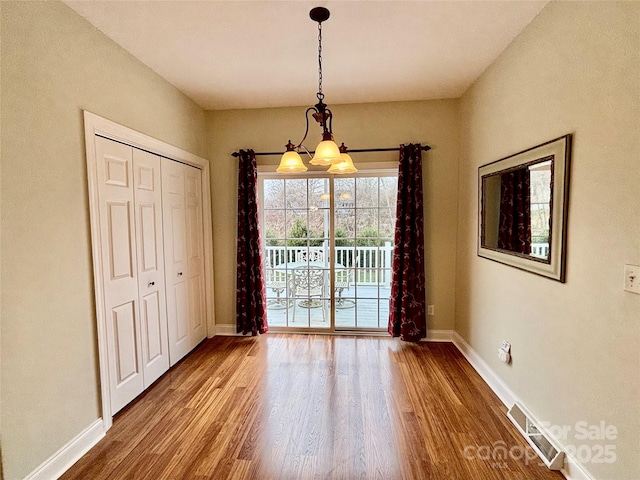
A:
<point x="552" y="262"/>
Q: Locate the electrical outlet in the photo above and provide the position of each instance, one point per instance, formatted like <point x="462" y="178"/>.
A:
<point x="632" y="278"/>
<point x="503" y="352"/>
<point x="504" y="356"/>
<point x="431" y="310"/>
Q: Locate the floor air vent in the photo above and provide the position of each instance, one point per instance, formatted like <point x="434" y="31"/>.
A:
<point x="551" y="455"/>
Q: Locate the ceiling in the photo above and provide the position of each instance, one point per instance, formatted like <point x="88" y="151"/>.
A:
<point x="254" y="54"/>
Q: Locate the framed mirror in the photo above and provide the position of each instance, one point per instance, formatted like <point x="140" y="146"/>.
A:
<point x="523" y="202"/>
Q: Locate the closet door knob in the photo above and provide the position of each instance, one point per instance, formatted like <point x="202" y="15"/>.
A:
<point x="151" y="284"/>
<point x="179" y="274"/>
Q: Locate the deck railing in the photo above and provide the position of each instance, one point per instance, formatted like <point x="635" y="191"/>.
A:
<point x="372" y="264"/>
<point x="540" y="250"/>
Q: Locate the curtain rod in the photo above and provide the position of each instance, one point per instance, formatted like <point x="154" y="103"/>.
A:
<point x="357" y="150"/>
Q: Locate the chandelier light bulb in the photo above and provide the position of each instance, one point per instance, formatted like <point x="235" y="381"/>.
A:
<point x="291" y="162"/>
<point x="345" y="165"/>
<point x="327" y="152"/>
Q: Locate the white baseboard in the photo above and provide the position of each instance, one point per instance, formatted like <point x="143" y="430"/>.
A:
<point x="227" y="330"/>
<point x="63" y="459"/>
<point x="438" y="336"/>
<point x="572" y="470"/>
<point x="496" y="384"/>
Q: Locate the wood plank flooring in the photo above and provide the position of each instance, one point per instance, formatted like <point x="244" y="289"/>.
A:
<point x="314" y="407"/>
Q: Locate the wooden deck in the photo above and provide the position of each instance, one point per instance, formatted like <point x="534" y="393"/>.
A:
<point x="362" y="311"/>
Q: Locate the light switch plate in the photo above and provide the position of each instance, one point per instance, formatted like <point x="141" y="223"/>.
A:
<point x="632" y="278"/>
<point x="506" y="346"/>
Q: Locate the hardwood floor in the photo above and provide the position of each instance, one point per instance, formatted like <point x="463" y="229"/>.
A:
<point x="314" y="407"/>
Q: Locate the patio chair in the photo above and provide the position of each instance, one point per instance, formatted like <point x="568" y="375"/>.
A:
<point x="277" y="282"/>
<point x="343" y="280"/>
<point x="310" y="256"/>
<point x="307" y="282"/>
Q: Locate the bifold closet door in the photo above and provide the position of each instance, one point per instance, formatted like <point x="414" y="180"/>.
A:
<point x="119" y="260"/>
<point x="195" y="253"/>
<point x="174" y="225"/>
<point x="184" y="265"/>
<point x="129" y="183"/>
<point x="150" y="253"/>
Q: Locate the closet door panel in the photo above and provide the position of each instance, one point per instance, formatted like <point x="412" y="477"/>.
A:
<point x="196" y="309"/>
<point x="195" y="253"/>
<point x="119" y="251"/>
<point x="154" y="342"/>
<point x="151" y="275"/>
<point x="120" y="279"/>
<point x="175" y="238"/>
<point x="178" y="234"/>
<point x="125" y="341"/>
<point x="181" y="309"/>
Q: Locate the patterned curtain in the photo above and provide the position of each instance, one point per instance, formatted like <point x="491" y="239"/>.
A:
<point x="515" y="211"/>
<point x="407" y="305"/>
<point x="251" y="311"/>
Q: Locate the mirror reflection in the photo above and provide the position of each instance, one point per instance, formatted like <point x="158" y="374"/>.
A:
<point x="516" y="209"/>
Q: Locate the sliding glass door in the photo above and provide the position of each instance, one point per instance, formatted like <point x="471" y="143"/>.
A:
<point x="328" y="247"/>
<point x="296" y="237"/>
<point x="364" y="212"/>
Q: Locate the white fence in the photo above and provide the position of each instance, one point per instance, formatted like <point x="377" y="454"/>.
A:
<point x="540" y="250"/>
<point x="372" y="264"/>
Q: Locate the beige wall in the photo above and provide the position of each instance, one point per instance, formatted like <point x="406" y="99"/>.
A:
<point x="54" y="64"/>
<point x="576" y="346"/>
<point x="359" y="126"/>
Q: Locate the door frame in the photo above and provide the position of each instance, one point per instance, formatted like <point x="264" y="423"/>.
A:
<point x="372" y="169"/>
<point x="95" y="125"/>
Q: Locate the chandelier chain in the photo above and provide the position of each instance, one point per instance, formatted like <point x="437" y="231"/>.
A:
<point x="320" y="94"/>
<point x="327" y="152"/>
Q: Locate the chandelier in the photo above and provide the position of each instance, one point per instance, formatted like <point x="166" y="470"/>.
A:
<point x="327" y="152"/>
